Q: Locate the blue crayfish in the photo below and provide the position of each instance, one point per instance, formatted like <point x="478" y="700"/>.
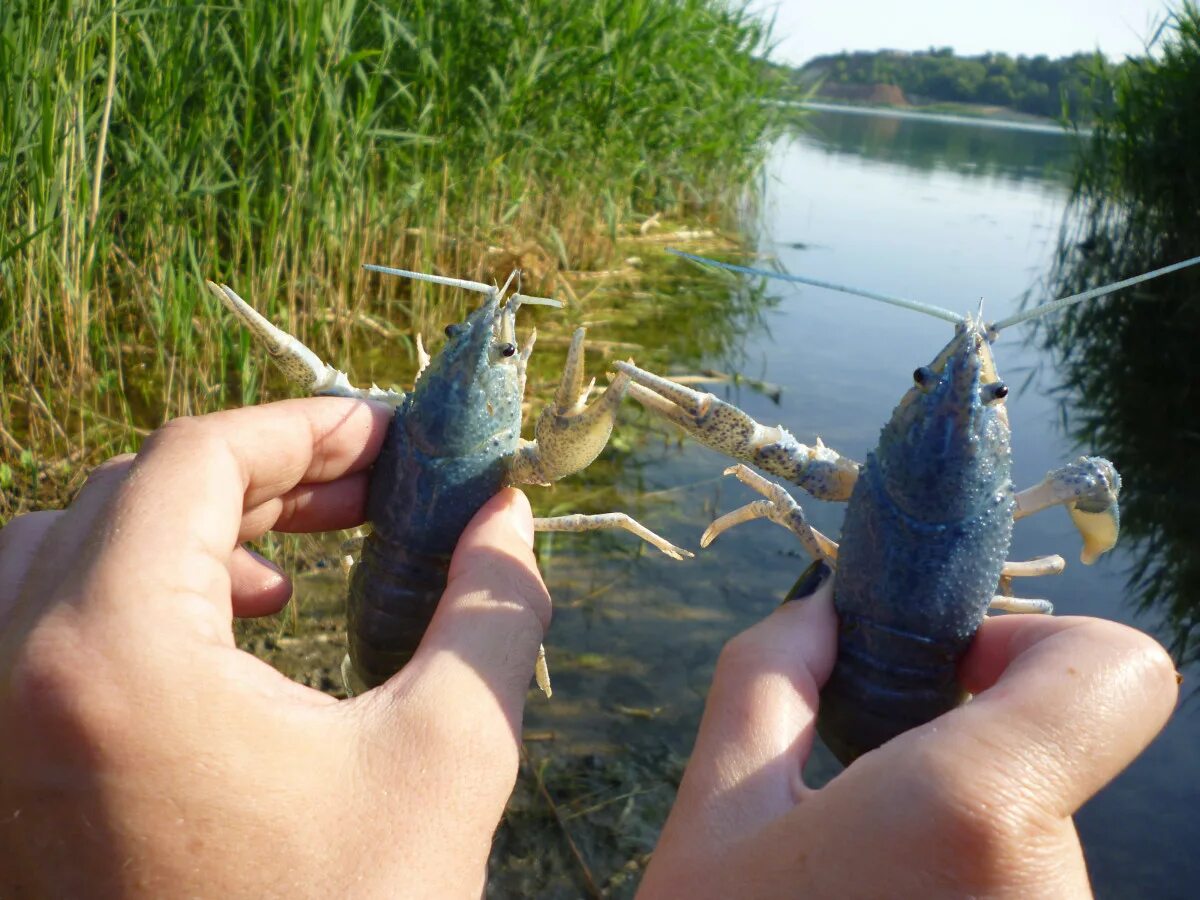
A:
<point x="453" y="442"/>
<point x="928" y="525"/>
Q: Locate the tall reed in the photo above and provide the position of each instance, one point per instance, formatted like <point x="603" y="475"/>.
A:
<point x="279" y="143"/>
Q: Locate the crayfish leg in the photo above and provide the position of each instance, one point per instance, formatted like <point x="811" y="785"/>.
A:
<point x="779" y="507"/>
<point x="579" y="522"/>
<point x="297" y="362"/>
<point x="1021" y="605"/>
<point x="541" y="672"/>
<point x="1034" y="568"/>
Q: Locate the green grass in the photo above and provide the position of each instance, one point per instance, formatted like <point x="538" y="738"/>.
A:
<point x="277" y="145"/>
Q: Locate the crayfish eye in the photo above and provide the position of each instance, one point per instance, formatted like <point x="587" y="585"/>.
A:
<point x="997" y="391"/>
<point x="453" y="328"/>
<point x="923" y="376"/>
<point x="506" y="349"/>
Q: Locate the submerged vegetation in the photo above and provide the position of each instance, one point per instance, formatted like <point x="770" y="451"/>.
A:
<point x="1130" y="364"/>
<point x="147" y="146"/>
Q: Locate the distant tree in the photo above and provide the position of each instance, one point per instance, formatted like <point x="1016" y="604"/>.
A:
<point x="1036" y="84"/>
<point x="996" y="89"/>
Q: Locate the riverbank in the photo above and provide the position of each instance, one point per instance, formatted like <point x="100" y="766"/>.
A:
<point x="950" y="113"/>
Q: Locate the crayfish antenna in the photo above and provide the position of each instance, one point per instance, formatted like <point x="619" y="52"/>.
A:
<point x="927" y="308"/>
<point x="463" y="283"/>
<point x="525" y="299"/>
<point x="467" y="285"/>
<point x="1054" y="305"/>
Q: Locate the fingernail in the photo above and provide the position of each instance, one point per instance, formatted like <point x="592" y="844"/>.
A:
<point x="266" y="562"/>
<point x="810" y="582"/>
<point x="519" y="515"/>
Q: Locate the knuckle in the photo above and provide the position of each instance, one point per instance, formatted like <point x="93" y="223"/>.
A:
<point x="527" y="587"/>
<point x="188" y="441"/>
<point x="113" y="465"/>
<point x="736" y="652"/>
<point x="110" y="471"/>
<point x="193" y="432"/>
<point x="26" y="523"/>
<point x="744" y="652"/>
<point x="207" y="435"/>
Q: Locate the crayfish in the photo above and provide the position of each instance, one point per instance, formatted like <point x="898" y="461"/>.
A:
<point x="454" y="441"/>
<point x="929" y="518"/>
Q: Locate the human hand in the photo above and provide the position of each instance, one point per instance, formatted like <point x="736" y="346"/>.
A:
<point x="975" y="803"/>
<point x="143" y="754"/>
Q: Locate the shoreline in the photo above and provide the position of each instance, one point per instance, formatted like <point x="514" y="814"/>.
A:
<point x="953" y="118"/>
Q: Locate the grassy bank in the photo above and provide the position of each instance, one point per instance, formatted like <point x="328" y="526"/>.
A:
<point x="1130" y="362"/>
<point x="146" y="146"/>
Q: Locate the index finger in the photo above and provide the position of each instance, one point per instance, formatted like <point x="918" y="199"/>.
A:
<point x="174" y="522"/>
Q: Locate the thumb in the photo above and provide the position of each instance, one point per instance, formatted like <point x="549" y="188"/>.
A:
<point x="758" y="722"/>
<point x="982" y="796"/>
<point x="1079" y="697"/>
<point x="492" y="616"/>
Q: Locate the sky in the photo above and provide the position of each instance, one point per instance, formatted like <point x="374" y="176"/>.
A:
<point x="808" y="28"/>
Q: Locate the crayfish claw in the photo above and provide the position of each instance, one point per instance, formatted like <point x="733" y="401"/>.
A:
<point x="297" y="362"/>
<point x="1099" y="530"/>
<point x="822" y="472"/>
<point x="1089" y="488"/>
<point x="569" y="434"/>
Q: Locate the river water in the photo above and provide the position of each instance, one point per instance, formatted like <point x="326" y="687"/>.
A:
<point x="950" y="213"/>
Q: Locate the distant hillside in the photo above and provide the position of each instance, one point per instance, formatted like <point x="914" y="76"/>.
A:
<point x="1035" y="85"/>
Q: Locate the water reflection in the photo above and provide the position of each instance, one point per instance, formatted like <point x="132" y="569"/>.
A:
<point x="976" y="150"/>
